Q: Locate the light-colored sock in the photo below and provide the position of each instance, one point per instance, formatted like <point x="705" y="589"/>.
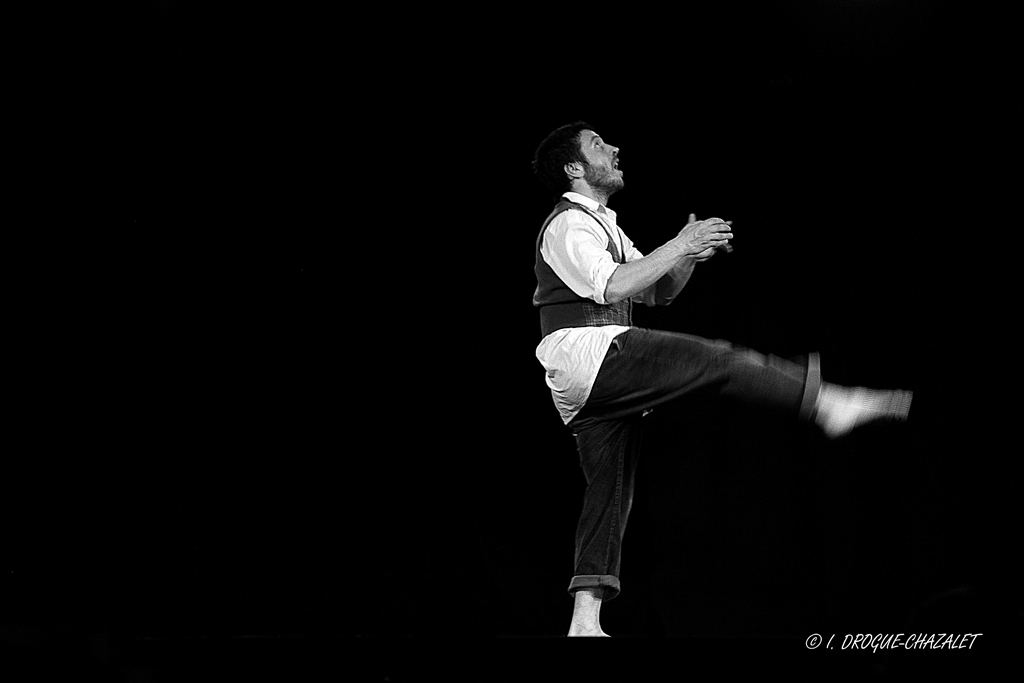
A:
<point x="586" y="616"/>
<point x="841" y="409"/>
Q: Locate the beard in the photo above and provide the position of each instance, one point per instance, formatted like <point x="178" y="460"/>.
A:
<point x="601" y="178"/>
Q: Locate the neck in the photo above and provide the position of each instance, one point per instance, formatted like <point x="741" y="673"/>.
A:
<point x="598" y="194"/>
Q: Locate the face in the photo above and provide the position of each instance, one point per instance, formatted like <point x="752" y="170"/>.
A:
<point x="603" y="159"/>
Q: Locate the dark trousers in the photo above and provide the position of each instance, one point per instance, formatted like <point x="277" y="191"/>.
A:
<point x="644" y="369"/>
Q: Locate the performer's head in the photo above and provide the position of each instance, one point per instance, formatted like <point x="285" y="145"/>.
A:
<point x="574" y="157"/>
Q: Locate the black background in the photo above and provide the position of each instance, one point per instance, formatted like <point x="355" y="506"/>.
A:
<point x="290" y="389"/>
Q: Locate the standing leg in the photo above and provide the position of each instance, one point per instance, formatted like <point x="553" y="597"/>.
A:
<point x="609" y="451"/>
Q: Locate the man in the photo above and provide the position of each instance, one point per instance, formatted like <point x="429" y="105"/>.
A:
<point x="605" y="374"/>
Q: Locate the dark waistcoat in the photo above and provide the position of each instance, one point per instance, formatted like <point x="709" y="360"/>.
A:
<point x="561" y="307"/>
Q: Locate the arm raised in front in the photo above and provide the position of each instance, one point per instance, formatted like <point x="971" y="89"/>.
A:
<point x="671" y="283"/>
<point x="697" y="241"/>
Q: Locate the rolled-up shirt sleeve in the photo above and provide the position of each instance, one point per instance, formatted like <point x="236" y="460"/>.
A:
<point x="577" y="250"/>
<point x="647" y="296"/>
<point x="632" y="253"/>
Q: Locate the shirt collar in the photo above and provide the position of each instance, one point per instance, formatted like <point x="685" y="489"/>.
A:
<point x="589" y="203"/>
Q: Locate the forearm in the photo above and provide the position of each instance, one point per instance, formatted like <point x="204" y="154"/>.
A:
<point x="695" y="242"/>
<point x="671" y="283"/>
<point x="636" y="276"/>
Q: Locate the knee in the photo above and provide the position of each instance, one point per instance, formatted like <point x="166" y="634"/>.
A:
<point x="748" y="357"/>
<point x="736" y="354"/>
<point x="743" y="366"/>
<point x="722" y="345"/>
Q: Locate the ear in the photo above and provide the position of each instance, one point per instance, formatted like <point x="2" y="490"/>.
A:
<point x="574" y="169"/>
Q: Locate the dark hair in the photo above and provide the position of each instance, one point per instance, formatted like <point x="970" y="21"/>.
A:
<point x="560" y="147"/>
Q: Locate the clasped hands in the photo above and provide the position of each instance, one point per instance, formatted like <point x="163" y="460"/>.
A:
<point x="701" y="239"/>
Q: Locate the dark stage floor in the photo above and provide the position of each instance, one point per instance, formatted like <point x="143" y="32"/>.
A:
<point x="154" y="660"/>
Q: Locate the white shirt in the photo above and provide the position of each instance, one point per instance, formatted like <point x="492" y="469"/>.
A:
<point x="575" y="245"/>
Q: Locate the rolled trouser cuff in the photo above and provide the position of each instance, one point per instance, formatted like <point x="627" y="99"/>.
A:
<point x="607" y="581"/>
<point x="812" y="386"/>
